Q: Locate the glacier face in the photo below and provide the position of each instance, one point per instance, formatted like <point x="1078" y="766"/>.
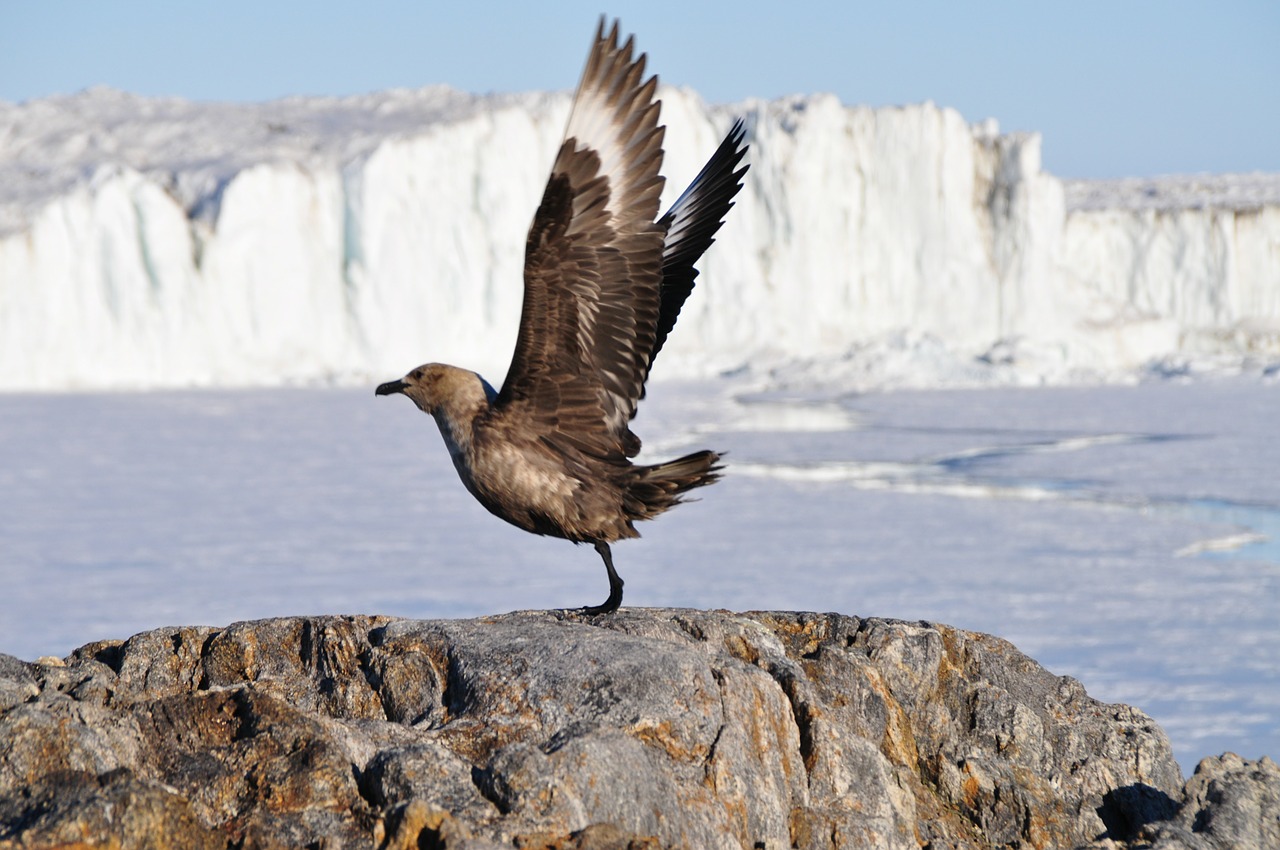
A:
<point x="152" y="242"/>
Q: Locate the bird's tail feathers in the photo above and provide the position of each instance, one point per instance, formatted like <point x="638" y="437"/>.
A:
<point x="662" y="486"/>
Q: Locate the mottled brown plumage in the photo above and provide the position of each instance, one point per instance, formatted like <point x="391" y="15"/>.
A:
<point x="604" y="280"/>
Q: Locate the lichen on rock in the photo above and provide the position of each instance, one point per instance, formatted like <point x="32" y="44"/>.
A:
<point x="650" y="728"/>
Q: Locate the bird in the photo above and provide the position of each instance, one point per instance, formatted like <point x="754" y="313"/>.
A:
<point x="604" y="281"/>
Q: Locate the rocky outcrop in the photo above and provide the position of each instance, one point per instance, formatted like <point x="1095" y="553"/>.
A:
<point x="646" y="729"/>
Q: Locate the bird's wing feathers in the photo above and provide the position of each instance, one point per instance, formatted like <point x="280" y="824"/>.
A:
<point x="691" y="224"/>
<point x="593" y="265"/>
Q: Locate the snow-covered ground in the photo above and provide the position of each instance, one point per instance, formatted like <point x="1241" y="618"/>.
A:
<point x="1123" y="535"/>
<point x="160" y="243"/>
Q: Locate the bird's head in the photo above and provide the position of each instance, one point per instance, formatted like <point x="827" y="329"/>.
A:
<point x="436" y="387"/>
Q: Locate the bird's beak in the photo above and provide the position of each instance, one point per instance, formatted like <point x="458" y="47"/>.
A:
<point x="391" y="387"/>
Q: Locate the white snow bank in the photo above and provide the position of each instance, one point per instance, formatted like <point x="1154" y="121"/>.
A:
<point x="157" y="242"/>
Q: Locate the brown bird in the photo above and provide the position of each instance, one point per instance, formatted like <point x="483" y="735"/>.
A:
<point x="604" y="280"/>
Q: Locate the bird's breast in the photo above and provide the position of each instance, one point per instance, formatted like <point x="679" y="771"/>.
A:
<point x="523" y="474"/>
<point x="530" y="485"/>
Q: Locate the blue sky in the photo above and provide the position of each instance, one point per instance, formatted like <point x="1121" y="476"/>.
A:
<point x="1121" y="88"/>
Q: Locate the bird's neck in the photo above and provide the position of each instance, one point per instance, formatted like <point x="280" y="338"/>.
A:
<point x="456" y="418"/>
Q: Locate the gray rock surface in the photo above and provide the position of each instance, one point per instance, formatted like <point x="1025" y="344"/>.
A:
<point x="1230" y="803"/>
<point x="646" y="729"/>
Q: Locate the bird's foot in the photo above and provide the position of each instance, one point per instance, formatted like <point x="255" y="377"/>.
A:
<point x="608" y="607"/>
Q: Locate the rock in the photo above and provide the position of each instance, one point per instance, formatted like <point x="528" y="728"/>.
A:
<point x="646" y="729"/>
<point x="1230" y="803"/>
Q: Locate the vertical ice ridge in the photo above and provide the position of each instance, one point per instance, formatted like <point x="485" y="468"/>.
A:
<point x="367" y="246"/>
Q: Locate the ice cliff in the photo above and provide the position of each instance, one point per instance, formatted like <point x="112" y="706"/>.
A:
<point x="157" y="242"/>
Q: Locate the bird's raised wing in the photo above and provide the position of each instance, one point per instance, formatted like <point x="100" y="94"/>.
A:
<point x="593" y="265"/>
<point x="691" y="224"/>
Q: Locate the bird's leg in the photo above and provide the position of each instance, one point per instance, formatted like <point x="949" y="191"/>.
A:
<point x="615" y="584"/>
